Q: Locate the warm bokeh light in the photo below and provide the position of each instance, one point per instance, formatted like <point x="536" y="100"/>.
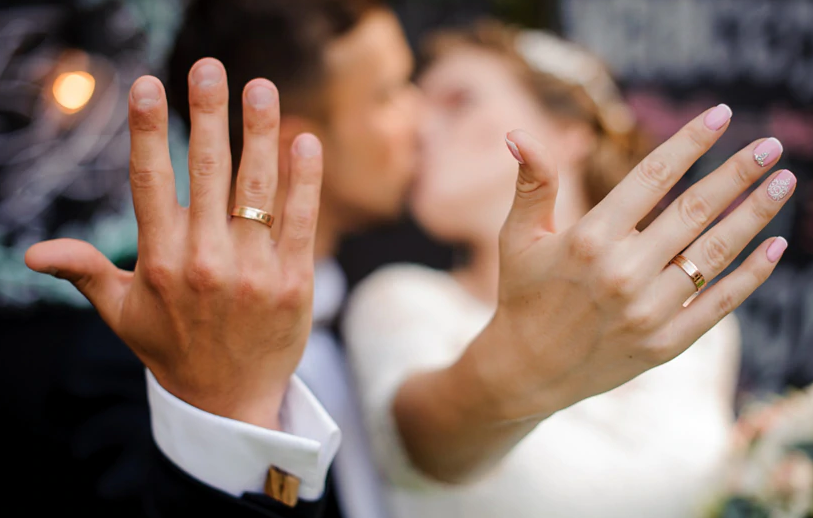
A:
<point x="73" y="90"/>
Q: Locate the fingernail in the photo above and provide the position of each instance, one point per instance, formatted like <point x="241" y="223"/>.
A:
<point x="307" y="146"/>
<point x="207" y="74"/>
<point x="779" y="188"/>
<point x="776" y="249"/>
<point x="146" y="92"/>
<point x="718" y="117"/>
<point x="260" y="96"/>
<point x="514" y="150"/>
<point x="767" y="152"/>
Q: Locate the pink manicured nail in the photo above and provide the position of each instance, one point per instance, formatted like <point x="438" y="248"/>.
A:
<point x="781" y="185"/>
<point x="514" y="150"/>
<point x="776" y="249"/>
<point x="768" y="152"/>
<point x="718" y="117"/>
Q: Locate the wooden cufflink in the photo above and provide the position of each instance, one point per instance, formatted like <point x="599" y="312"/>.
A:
<point x="282" y="487"/>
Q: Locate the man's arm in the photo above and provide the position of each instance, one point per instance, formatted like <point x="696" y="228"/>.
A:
<point x="216" y="310"/>
<point x="585" y="310"/>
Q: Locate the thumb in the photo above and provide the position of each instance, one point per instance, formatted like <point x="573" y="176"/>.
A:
<point x="537" y="185"/>
<point x="85" y="267"/>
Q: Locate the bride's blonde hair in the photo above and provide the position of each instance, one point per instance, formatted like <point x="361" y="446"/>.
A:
<point x="571" y="84"/>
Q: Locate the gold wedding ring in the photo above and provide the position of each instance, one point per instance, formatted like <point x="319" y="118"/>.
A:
<point x="694" y="274"/>
<point x="254" y="215"/>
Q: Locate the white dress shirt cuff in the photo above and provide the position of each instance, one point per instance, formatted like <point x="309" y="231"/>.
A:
<point x="234" y="456"/>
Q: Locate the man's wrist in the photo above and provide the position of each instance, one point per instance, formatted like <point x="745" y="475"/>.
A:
<point x="235" y="456"/>
<point x="258" y="405"/>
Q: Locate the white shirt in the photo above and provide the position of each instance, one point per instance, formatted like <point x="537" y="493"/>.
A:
<point x="234" y="457"/>
<point x="324" y="369"/>
<point x="652" y="447"/>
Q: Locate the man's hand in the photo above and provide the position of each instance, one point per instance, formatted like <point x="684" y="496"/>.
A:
<point x="218" y="311"/>
<point x="587" y="309"/>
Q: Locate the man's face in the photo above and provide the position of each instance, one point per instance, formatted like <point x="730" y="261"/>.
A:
<point x="371" y="135"/>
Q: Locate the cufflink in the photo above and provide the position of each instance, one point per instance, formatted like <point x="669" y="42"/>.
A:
<point x="282" y="487"/>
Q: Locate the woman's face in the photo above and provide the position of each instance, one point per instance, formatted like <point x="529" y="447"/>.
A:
<point x="466" y="178"/>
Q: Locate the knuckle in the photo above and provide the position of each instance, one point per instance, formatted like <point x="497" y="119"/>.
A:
<point x="619" y="284"/>
<point x="528" y="186"/>
<point x="585" y="244"/>
<point x="294" y="295"/>
<point x="206" y="101"/>
<point x="655" y="174"/>
<point x="301" y="222"/>
<point x="143" y="176"/>
<point x="740" y="174"/>
<point x="145" y="120"/>
<point x="261" y="123"/>
<point x="727" y="303"/>
<point x="762" y="210"/>
<point x="716" y="253"/>
<point x="696" y="138"/>
<point x="639" y="319"/>
<point x="252" y="286"/>
<point x="158" y="275"/>
<point x="203" y="274"/>
<point x="205" y="165"/>
<point x="694" y="210"/>
<point x="255" y="189"/>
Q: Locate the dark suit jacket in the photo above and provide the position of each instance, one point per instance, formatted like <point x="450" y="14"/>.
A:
<point x="75" y="414"/>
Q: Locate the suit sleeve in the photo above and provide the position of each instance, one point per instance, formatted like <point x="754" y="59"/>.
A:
<point x="79" y="431"/>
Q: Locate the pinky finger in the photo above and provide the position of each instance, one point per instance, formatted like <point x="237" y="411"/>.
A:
<point x="297" y="234"/>
<point x="730" y="292"/>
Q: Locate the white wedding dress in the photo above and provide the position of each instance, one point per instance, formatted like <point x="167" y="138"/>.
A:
<point x="653" y="447"/>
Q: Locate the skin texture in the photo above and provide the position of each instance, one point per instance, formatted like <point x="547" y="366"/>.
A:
<point x="610" y="310"/>
<point x="371" y="131"/>
<point x="196" y="311"/>
<point x="220" y="312"/>
<point x="465" y="183"/>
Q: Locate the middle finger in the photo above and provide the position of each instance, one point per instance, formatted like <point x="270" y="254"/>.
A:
<point x="209" y="153"/>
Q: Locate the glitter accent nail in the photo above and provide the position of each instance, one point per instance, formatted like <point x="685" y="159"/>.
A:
<point x="781" y="186"/>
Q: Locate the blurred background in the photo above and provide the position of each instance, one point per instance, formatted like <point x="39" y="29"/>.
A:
<point x="66" y="67"/>
<point x="63" y="161"/>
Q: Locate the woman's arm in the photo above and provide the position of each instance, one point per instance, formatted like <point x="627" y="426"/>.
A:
<point x="585" y="310"/>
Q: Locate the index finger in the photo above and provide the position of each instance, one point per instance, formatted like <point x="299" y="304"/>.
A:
<point x="641" y="190"/>
<point x="151" y="177"/>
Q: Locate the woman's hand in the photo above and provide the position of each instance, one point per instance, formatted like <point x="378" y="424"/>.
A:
<point x="585" y="310"/>
<point x="218" y="311"/>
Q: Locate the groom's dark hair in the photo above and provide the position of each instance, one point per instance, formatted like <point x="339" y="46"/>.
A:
<point x="281" y="40"/>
